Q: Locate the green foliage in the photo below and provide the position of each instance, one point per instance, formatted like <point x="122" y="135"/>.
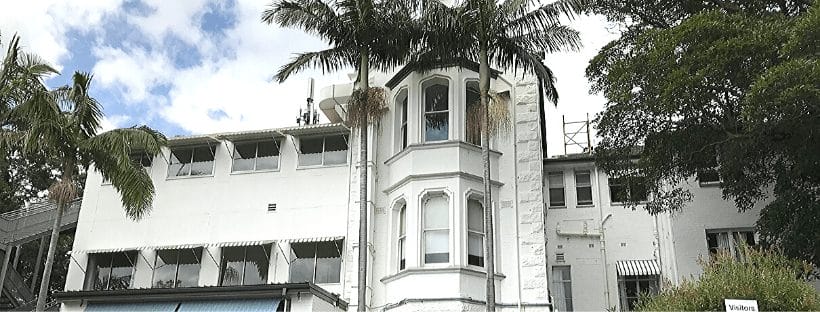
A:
<point x="768" y="277"/>
<point x="732" y="86"/>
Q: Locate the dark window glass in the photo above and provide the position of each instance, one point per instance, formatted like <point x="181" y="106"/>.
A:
<point x="317" y="262"/>
<point x="583" y="187"/>
<point x="475" y="233"/>
<point x="142" y="159"/>
<point x="243" y="156"/>
<point x="632" y="287"/>
<point x="626" y="188"/>
<point x="180" y="162"/>
<point x="310" y="151"/>
<point x="473" y="115"/>
<point x="165" y="269"/>
<point x="436" y="113"/>
<point x="111" y="271"/>
<point x="203" y="163"/>
<point x="729" y="242"/>
<point x="262" y="155"/>
<point x="402" y="236"/>
<point x="177" y="268"/>
<point x="189" y="264"/>
<point x="556" y="189"/>
<point x="267" y="157"/>
<point x="246" y="265"/>
<point x="335" y="150"/>
<point x="708" y="176"/>
<point x="404" y="122"/>
<point x="191" y="161"/>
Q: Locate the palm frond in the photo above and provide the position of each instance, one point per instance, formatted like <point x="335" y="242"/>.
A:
<point x="328" y="60"/>
<point x="544" y="16"/>
<point x="510" y="54"/>
<point x="311" y="16"/>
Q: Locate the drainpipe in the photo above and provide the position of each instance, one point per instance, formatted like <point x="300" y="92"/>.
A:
<point x="602" y="239"/>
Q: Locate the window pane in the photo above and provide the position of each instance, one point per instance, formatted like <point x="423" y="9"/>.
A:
<point x="310" y="151"/>
<point x="556" y="189"/>
<point x="631" y="289"/>
<point x="436" y="244"/>
<point x="637" y="189"/>
<point x="328" y="262"/>
<point x="402" y="220"/>
<point x="267" y="156"/>
<point x="473" y="114"/>
<point x="256" y="265"/>
<point x="180" y="162"/>
<point x="617" y="193"/>
<point x="436" y="214"/>
<point x="189" y="264"/>
<point x="102" y="271"/>
<point x="584" y="195"/>
<point x="582" y="178"/>
<point x="233" y="260"/>
<point x="402" y="253"/>
<point x="335" y="150"/>
<point x="708" y="175"/>
<point x="243" y="156"/>
<point x="557" y="197"/>
<point x="556" y="179"/>
<point x="121" y="270"/>
<point x="436" y="98"/>
<point x="475" y="216"/>
<point x="203" y="163"/>
<point x="475" y="249"/>
<point x="302" y="261"/>
<point x="165" y="269"/>
<point x="436" y="126"/>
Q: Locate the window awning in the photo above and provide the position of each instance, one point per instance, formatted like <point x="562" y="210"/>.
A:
<point x="241" y="243"/>
<point x="132" y="306"/>
<point x="103" y="250"/>
<point x="336" y="128"/>
<point x="251" y="135"/>
<point x="192" y="140"/>
<point x="312" y="239"/>
<point x="637" y="267"/>
<point x="251" y="305"/>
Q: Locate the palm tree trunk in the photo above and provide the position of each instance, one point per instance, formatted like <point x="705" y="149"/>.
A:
<point x="489" y="260"/>
<point x="364" y="68"/>
<point x="52" y="249"/>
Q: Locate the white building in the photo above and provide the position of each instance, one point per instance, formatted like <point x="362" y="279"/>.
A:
<point x="268" y="219"/>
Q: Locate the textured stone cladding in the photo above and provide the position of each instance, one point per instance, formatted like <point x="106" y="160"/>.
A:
<point x="529" y="183"/>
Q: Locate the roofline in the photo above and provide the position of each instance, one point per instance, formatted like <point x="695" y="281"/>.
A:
<point x="570" y="158"/>
<point x="236" y="135"/>
<point x="463" y="63"/>
<point x="201" y="293"/>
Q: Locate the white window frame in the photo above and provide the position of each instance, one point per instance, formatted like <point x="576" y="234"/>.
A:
<point x="425" y="229"/>
<point x="210" y="147"/>
<point x="623" y="280"/>
<point x="731" y="236"/>
<point x="469" y="232"/>
<point x="433" y="82"/>
<point x="276" y="141"/>
<point x="549" y="189"/>
<point x="401" y="240"/>
<point x="562" y="283"/>
<point x="578" y="186"/>
<point x="403" y="116"/>
<point x="467" y="112"/>
<point x="346" y="138"/>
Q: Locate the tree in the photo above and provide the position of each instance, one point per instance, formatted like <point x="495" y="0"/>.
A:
<point x="510" y="34"/>
<point x="355" y="31"/>
<point x="766" y="276"/>
<point x="65" y="122"/>
<point x="729" y="87"/>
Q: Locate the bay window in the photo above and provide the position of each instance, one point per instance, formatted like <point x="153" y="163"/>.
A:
<point x="475" y="233"/>
<point x="402" y="243"/>
<point x="472" y="121"/>
<point x="402" y="120"/>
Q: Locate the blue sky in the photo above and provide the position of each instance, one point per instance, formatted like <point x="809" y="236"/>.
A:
<point x="199" y="66"/>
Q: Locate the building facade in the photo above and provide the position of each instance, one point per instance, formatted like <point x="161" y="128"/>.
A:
<point x="268" y="219"/>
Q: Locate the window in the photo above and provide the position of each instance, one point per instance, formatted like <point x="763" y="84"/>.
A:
<point x="583" y="187"/>
<point x="729" y="241"/>
<point x="402" y="237"/>
<point x="472" y="121"/>
<point x="255" y="156"/>
<point x="708" y="176"/>
<point x="245" y="265"/>
<point x="110" y="271"/>
<point x="192" y="161"/>
<point x="627" y="188"/>
<point x="323" y="151"/>
<point x="177" y="268"/>
<point x="402" y="103"/>
<point x="143" y="159"/>
<point x="631" y="287"/>
<point x="556" y="189"/>
<point x="475" y="232"/>
<point x="436" y="110"/>
<point x="436" y="229"/>
<point x="562" y="288"/>
<point x="316" y="262"/>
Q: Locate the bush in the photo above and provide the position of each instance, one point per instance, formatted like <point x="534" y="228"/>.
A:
<point x="775" y="281"/>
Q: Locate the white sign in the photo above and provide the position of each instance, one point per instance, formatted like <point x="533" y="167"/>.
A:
<point x="737" y="305"/>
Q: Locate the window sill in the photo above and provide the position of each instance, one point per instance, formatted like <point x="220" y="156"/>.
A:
<point x="643" y="202"/>
<point x="585" y="206"/>
<point x="436" y="144"/>
<point x="468" y="270"/>
<point x="190" y="177"/>
<point x="710" y="184"/>
<point x="320" y="166"/>
<point x="253" y="171"/>
<point x="556" y="207"/>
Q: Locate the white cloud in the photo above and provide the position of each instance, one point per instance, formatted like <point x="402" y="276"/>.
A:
<point x="112" y="122"/>
<point x="134" y="71"/>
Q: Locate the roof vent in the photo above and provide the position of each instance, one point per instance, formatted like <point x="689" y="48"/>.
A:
<point x="271" y="207"/>
<point x="559" y="257"/>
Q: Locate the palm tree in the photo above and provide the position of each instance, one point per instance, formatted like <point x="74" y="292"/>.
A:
<point x="65" y="122"/>
<point x="510" y="34"/>
<point x="355" y="31"/>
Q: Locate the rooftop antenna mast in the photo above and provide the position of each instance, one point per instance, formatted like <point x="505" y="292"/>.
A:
<point x="578" y="135"/>
<point x="309" y="115"/>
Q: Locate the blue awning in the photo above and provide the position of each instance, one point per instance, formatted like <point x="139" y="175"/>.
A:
<point x="134" y="306"/>
<point x="249" y="305"/>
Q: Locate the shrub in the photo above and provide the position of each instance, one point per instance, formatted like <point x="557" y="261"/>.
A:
<point x="775" y="281"/>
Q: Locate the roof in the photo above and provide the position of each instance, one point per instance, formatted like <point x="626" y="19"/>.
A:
<point x="316" y="129"/>
<point x="202" y="293"/>
<point x="251" y="135"/>
<point x="213" y="138"/>
<point x="582" y="157"/>
<point x="409" y="68"/>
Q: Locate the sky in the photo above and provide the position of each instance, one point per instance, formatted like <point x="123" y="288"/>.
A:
<point x="198" y="66"/>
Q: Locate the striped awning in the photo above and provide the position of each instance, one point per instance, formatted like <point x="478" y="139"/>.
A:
<point x="241" y="243"/>
<point x="312" y="239"/>
<point x="166" y="247"/>
<point x="637" y="267"/>
<point x="103" y="250"/>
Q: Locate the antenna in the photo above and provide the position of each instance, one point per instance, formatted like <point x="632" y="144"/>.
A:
<point x="578" y="135"/>
<point x="309" y="115"/>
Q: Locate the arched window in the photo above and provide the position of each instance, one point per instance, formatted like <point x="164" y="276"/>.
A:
<point x="402" y="244"/>
<point x="401" y="103"/>
<point x="436" y="232"/>
<point x="472" y="121"/>
<point x="475" y="232"/>
<point x="436" y="110"/>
